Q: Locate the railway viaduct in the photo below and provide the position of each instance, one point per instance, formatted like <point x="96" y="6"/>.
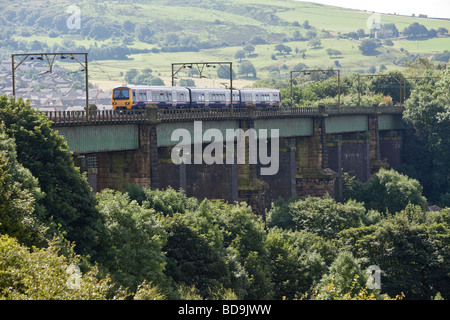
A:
<point x="316" y="146"/>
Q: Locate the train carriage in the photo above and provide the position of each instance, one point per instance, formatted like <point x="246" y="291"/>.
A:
<point x="137" y="97"/>
<point x="213" y="98"/>
<point x="261" y="97"/>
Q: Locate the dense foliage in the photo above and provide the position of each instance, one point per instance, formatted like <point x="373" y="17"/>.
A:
<point x="427" y="117"/>
<point x="65" y="199"/>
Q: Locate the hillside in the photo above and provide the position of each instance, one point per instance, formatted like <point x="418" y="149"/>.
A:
<point x="153" y="34"/>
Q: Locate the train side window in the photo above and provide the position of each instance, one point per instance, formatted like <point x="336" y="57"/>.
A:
<point x="142" y="96"/>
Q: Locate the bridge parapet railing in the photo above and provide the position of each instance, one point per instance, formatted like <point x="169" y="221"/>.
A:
<point x="286" y="112"/>
<point x="364" y="110"/>
<point x="192" y="114"/>
<point x="71" y="118"/>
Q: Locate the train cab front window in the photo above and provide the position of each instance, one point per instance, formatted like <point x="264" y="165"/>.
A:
<point x="121" y="94"/>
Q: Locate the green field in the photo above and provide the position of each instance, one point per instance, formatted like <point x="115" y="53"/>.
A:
<point x="225" y="27"/>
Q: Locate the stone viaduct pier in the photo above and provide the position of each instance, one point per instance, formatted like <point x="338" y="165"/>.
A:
<point x="316" y="146"/>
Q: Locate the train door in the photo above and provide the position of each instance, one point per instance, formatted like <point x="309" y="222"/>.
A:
<point x="174" y="99"/>
<point x="133" y="97"/>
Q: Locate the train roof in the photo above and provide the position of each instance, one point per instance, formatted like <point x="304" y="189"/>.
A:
<point x="261" y="90"/>
<point x="210" y="89"/>
<point x="137" y="87"/>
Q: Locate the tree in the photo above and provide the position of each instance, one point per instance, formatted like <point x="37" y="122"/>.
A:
<point x="353" y="35"/>
<point x="132" y="241"/>
<point x="68" y="199"/>
<point x="442" y="30"/>
<point x="298" y="35"/>
<point x="155" y="81"/>
<point x="298" y="260"/>
<point x="315" y="43"/>
<point x="246" y="68"/>
<point x="187" y="83"/>
<point x="333" y="52"/>
<point x="361" y="33"/>
<point x="20" y="216"/>
<point x="255" y="40"/>
<point x="345" y="278"/>
<point x="215" y="244"/>
<point x="287" y="49"/>
<point x="249" y="49"/>
<point x="46" y="274"/>
<point x="388" y="42"/>
<point x="144" y="33"/>
<point x="223" y="72"/>
<point x="171" y="39"/>
<point x="427" y="123"/>
<point x="324" y="217"/>
<point x="100" y="31"/>
<point x="280" y="47"/>
<point x="415" y="30"/>
<point x="130" y="75"/>
<point x="240" y="54"/>
<point x="311" y="34"/>
<point x="443" y="57"/>
<point x="410" y="248"/>
<point x="390" y="85"/>
<point x="129" y="26"/>
<point x="306" y="25"/>
<point x="432" y="33"/>
<point x="390" y="191"/>
<point x="192" y="260"/>
<point x="299" y="66"/>
<point x="283" y="48"/>
<point x="368" y="47"/>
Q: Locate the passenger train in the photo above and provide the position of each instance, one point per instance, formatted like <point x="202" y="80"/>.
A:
<point x="137" y="97"/>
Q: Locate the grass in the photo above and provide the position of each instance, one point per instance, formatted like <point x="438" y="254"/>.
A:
<point x="235" y="22"/>
<point x="435" y="45"/>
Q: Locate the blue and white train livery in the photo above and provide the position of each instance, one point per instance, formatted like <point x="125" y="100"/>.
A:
<point x="137" y="97"/>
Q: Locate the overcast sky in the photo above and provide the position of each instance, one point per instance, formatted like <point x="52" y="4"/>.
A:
<point x="432" y="8"/>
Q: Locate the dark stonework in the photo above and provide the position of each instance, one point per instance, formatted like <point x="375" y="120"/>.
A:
<point x="308" y="165"/>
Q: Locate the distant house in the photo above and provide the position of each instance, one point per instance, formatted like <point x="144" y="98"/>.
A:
<point x="24" y="91"/>
<point x="65" y="91"/>
<point x="76" y="108"/>
<point x="46" y="109"/>
<point x="45" y="102"/>
<point x="57" y="102"/>
<point x="7" y="90"/>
